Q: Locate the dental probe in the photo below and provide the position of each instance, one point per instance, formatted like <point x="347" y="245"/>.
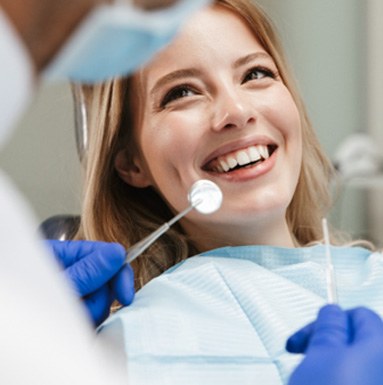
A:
<point x="204" y="196"/>
<point x="332" y="296"/>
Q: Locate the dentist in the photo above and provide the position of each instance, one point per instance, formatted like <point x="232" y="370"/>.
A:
<point x="87" y="41"/>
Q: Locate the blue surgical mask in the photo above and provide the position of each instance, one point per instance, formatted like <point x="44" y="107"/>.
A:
<point x="114" y="40"/>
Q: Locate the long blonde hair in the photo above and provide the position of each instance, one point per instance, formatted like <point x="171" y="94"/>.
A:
<point x="114" y="211"/>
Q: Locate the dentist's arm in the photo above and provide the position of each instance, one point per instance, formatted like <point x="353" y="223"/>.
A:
<point x="97" y="272"/>
<point x="341" y="347"/>
<point x="44" y="25"/>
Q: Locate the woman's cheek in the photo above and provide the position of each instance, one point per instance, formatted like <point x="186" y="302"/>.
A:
<point x="184" y="126"/>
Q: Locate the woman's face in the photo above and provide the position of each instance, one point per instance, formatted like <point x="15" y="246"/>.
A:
<point x="215" y="108"/>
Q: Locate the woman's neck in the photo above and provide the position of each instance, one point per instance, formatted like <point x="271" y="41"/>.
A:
<point x="272" y="233"/>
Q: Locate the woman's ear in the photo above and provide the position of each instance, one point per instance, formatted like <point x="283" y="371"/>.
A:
<point x="131" y="170"/>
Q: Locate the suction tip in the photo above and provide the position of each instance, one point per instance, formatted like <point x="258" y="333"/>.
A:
<point x="205" y="196"/>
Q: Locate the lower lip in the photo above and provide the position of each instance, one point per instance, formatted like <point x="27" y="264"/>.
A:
<point x="249" y="173"/>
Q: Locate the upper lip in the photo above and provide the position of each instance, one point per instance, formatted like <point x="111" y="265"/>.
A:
<point x="237" y="145"/>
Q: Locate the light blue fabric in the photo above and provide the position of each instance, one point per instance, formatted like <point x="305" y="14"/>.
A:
<point x="116" y="39"/>
<point x="223" y="317"/>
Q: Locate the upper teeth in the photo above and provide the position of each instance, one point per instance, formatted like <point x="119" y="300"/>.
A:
<point x="241" y="157"/>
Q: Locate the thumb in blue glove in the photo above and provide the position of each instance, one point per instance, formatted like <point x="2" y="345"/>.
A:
<point x="341" y="347"/>
<point x="97" y="272"/>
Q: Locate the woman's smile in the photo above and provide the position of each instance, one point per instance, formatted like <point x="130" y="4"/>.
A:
<point x="242" y="160"/>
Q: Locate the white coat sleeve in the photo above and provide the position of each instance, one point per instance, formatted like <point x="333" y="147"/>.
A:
<point x="45" y="337"/>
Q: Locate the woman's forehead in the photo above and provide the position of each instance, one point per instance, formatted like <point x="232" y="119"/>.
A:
<point x="214" y="34"/>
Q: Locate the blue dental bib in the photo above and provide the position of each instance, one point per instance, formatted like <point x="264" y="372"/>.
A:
<point x="223" y="317"/>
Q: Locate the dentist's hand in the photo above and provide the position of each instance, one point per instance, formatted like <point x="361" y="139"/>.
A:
<point x="341" y="347"/>
<point x="96" y="271"/>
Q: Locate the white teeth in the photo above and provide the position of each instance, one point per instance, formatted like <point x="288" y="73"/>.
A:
<point x="231" y="161"/>
<point x="219" y="168"/>
<point x="263" y="151"/>
<point x="243" y="158"/>
<point x="254" y="154"/>
<point x="224" y="165"/>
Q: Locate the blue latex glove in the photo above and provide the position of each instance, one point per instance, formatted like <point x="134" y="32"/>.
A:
<point x="341" y="347"/>
<point x="96" y="271"/>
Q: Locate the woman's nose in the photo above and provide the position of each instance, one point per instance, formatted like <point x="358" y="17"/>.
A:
<point x="231" y="110"/>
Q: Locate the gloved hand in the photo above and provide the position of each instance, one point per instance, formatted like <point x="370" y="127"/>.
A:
<point x="96" y="271"/>
<point x="341" y="347"/>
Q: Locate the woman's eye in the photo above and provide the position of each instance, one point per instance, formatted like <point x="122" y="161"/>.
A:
<point x="258" y="73"/>
<point x="177" y="93"/>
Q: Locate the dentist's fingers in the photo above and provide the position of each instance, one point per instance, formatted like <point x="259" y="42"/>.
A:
<point x="298" y="342"/>
<point x="331" y="328"/>
<point x="366" y="325"/>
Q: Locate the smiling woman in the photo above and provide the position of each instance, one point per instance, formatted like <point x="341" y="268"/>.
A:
<point x="218" y="103"/>
<point x="215" y="99"/>
<point x="201" y="110"/>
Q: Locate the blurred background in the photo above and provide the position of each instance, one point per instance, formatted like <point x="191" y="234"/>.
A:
<point x="335" y="48"/>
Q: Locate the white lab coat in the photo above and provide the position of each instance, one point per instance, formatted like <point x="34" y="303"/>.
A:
<point x="45" y="337"/>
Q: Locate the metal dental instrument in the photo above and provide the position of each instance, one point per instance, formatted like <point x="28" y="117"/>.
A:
<point x="204" y="196"/>
<point x="332" y="296"/>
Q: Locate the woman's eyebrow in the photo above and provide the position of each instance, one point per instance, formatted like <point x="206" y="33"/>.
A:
<point x="248" y="58"/>
<point x="192" y="72"/>
<point x="172" y="76"/>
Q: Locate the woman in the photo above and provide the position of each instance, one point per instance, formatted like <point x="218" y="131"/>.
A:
<point x="218" y="103"/>
<point x="132" y="213"/>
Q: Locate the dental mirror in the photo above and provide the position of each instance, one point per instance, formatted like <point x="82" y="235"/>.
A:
<point x="204" y="196"/>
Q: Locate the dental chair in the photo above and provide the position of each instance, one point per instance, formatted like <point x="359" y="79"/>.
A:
<point x="64" y="227"/>
<point x="60" y="227"/>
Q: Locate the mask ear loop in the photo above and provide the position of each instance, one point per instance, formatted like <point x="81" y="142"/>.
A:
<point x="81" y="122"/>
